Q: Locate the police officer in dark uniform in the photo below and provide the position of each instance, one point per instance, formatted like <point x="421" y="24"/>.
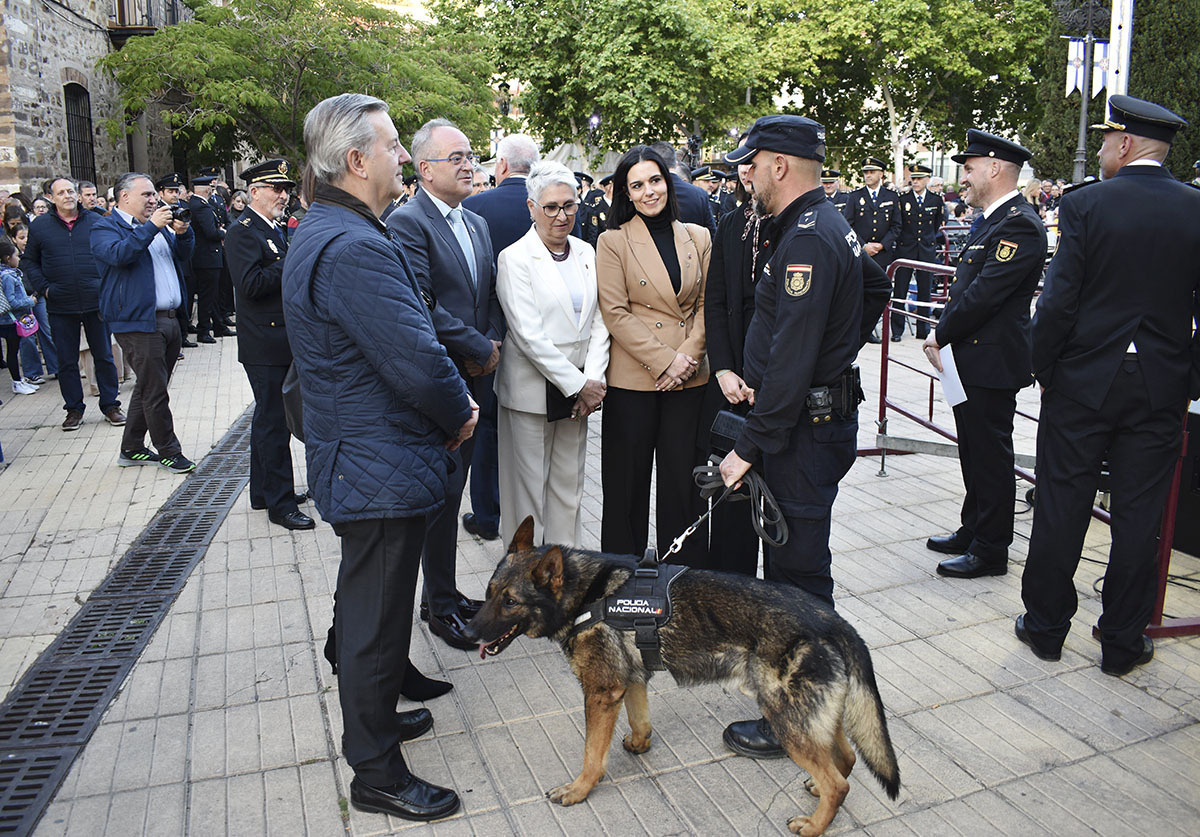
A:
<point x="727" y="193"/>
<point x="834" y="193"/>
<point x="169" y="187"/>
<point x="597" y="214"/>
<point x="986" y="323"/>
<point x="255" y="246"/>
<point x="921" y="216"/>
<point x="800" y="347"/>
<point x="1113" y="345"/>
<point x="208" y="258"/>
<point x="709" y="181"/>
<point x="217" y="197"/>
<point x="873" y="211"/>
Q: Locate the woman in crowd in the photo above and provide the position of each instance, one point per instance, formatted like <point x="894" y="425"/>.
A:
<point x="556" y="341"/>
<point x="40" y="207"/>
<point x="737" y="256"/>
<point x="651" y="270"/>
<point x="20" y="303"/>
<point x="14" y="216"/>
<point x="237" y="204"/>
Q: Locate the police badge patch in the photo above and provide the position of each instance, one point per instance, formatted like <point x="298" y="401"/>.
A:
<point x="1005" y="250"/>
<point x="798" y="279"/>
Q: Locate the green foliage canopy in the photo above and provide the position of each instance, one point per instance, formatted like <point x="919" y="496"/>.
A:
<point x="246" y="74"/>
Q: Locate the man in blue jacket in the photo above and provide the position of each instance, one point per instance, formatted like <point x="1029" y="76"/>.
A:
<point x="137" y="247"/>
<point x="384" y="409"/>
<point x="59" y="265"/>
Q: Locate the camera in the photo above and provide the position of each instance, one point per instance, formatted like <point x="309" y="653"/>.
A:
<point x="179" y="212"/>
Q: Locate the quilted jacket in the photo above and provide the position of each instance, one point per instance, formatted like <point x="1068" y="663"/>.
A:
<point x="381" y="397"/>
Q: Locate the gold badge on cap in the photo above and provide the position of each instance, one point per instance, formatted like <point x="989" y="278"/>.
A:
<point x="798" y="279"/>
<point x="1005" y="250"/>
<point x="283" y="167"/>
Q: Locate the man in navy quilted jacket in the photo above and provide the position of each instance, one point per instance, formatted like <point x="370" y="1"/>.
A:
<point x="384" y="408"/>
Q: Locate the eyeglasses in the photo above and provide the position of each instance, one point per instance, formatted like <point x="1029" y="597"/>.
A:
<point x="553" y="210"/>
<point x="456" y="159"/>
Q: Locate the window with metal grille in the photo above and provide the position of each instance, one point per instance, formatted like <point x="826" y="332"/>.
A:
<point x="79" y="132"/>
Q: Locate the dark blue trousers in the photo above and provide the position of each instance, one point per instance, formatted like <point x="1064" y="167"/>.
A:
<point x="65" y="328"/>
<point x="485" y="464"/>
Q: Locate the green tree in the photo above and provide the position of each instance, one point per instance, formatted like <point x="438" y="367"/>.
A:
<point x="1165" y="68"/>
<point x="1054" y="140"/>
<point x="649" y="71"/>
<point x="246" y="74"/>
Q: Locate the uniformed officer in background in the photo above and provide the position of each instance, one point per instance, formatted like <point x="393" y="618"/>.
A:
<point x="799" y="353"/>
<point x="986" y="323"/>
<point x="1113" y="347"/>
<point x="217" y="197"/>
<point x="170" y="190"/>
<point x="873" y="211"/>
<point x="256" y="246"/>
<point x="710" y="182"/>
<point x="597" y="214"/>
<point x="921" y="216"/>
<point x="208" y="258"/>
<point x="831" y="182"/>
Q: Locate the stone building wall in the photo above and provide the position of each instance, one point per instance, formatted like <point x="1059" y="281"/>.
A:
<point x="45" y="45"/>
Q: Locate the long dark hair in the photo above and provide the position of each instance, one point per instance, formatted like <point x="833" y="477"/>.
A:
<point x="622" y="206"/>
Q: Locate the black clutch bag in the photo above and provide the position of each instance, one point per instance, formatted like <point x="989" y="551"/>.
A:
<point x="558" y="406"/>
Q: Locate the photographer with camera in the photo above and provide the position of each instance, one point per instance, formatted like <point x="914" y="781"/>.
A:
<point x="137" y="249"/>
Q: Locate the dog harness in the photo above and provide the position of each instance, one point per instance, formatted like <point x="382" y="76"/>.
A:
<point x="642" y="604"/>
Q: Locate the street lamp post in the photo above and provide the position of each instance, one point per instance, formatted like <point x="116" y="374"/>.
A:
<point x="1085" y="91"/>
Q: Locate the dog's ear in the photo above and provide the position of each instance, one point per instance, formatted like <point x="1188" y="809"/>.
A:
<point x="548" y="571"/>
<point x="523" y="540"/>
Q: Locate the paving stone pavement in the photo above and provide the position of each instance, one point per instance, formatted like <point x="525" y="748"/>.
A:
<point x="229" y="722"/>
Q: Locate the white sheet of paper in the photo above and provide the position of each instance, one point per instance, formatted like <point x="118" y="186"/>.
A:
<point x="952" y="387"/>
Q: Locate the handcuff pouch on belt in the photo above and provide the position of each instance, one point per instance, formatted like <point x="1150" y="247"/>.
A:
<point x="841" y="397"/>
<point x="642" y="604"/>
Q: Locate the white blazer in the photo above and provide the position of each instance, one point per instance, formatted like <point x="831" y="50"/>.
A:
<point x="544" y="342"/>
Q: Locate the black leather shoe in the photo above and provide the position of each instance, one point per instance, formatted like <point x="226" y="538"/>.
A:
<point x="224" y="332"/>
<point x="302" y="497"/>
<point x="952" y="544"/>
<point x="451" y="630"/>
<point x="754" y="739"/>
<point x="1023" y="635"/>
<point x="187" y="344"/>
<point x="415" y="799"/>
<point x="467" y="608"/>
<point x="227" y="321"/>
<point x="472" y="526"/>
<point x="414" y="723"/>
<point x="1146" y="656"/>
<point x="293" y="520"/>
<point x="206" y="338"/>
<point x="896" y="338"/>
<point x="873" y="338"/>
<point x="191" y="329"/>
<point x="971" y="566"/>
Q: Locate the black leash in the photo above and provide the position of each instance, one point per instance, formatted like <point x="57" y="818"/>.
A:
<point x="765" y="514"/>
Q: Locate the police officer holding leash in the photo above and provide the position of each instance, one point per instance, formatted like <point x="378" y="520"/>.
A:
<point x="807" y="328"/>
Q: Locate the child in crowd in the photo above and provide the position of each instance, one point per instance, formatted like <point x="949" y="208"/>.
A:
<point x="20" y="304"/>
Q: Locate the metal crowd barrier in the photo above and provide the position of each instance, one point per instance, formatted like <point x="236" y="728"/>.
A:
<point x="1024" y="463"/>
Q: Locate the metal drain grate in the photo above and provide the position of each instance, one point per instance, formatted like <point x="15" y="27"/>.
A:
<point x="54" y="709"/>
<point x="107" y="628"/>
<point x="149" y="572"/>
<point x="28" y="780"/>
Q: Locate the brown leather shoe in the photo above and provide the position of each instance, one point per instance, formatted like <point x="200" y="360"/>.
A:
<point x="115" y="417"/>
<point x="73" y="420"/>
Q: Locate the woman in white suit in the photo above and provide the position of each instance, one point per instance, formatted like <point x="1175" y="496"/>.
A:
<point x="556" y="341"/>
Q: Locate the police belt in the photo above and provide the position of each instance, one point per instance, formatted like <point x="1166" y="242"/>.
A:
<point x="842" y="397"/>
<point x="642" y="605"/>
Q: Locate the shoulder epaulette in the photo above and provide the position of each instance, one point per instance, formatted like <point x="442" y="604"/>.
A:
<point x="245" y="222"/>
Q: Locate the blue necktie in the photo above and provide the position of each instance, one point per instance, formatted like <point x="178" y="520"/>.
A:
<point x="464" y="241"/>
<point x="975" y="225"/>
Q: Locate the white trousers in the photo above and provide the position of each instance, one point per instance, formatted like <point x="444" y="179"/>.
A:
<point x="541" y="474"/>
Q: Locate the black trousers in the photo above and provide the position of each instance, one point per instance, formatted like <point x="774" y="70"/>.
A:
<point x="225" y="300"/>
<point x="900" y="291"/>
<point x="440" y="559"/>
<point x="732" y="541"/>
<point x="1141" y="445"/>
<point x="207" y="315"/>
<point x="984" y="424"/>
<point x="152" y="355"/>
<point x="271" y="480"/>
<point x="804" y="478"/>
<point x="373" y="610"/>
<point x="642" y="430"/>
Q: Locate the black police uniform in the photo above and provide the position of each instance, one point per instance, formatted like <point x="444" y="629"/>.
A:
<point x="1113" y="346"/>
<point x="876" y="220"/>
<point x="596" y="220"/>
<point x="986" y="322"/>
<point x="805" y="333"/>
<point x="255" y="250"/>
<point x="920" y="219"/>
<point x="207" y="260"/>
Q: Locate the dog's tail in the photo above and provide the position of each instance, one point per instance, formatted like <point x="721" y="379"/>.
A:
<point x="864" y="720"/>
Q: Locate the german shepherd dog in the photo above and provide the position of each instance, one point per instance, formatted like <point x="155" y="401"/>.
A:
<point x="809" y="670"/>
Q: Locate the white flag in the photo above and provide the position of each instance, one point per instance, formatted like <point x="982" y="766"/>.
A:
<point x="1099" y="67"/>
<point x="1075" y="54"/>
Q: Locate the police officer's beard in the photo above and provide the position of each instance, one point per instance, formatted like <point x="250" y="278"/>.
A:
<point x="762" y="199"/>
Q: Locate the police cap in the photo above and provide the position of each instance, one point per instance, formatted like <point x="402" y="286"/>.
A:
<point x="1145" y="119"/>
<point x="275" y="172"/>
<point x="874" y="164"/>
<point x="169" y="181"/>
<point x="607" y="179"/>
<point x="705" y="173"/>
<point x="920" y="170"/>
<point x="830" y="175"/>
<point x="983" y="144"/>
<point x="582" y="176"/>
<point x="782" y="133"/>
<point x="206" y="175"/>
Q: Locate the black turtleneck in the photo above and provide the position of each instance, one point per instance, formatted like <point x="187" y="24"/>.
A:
<point x="663" y="232"/>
